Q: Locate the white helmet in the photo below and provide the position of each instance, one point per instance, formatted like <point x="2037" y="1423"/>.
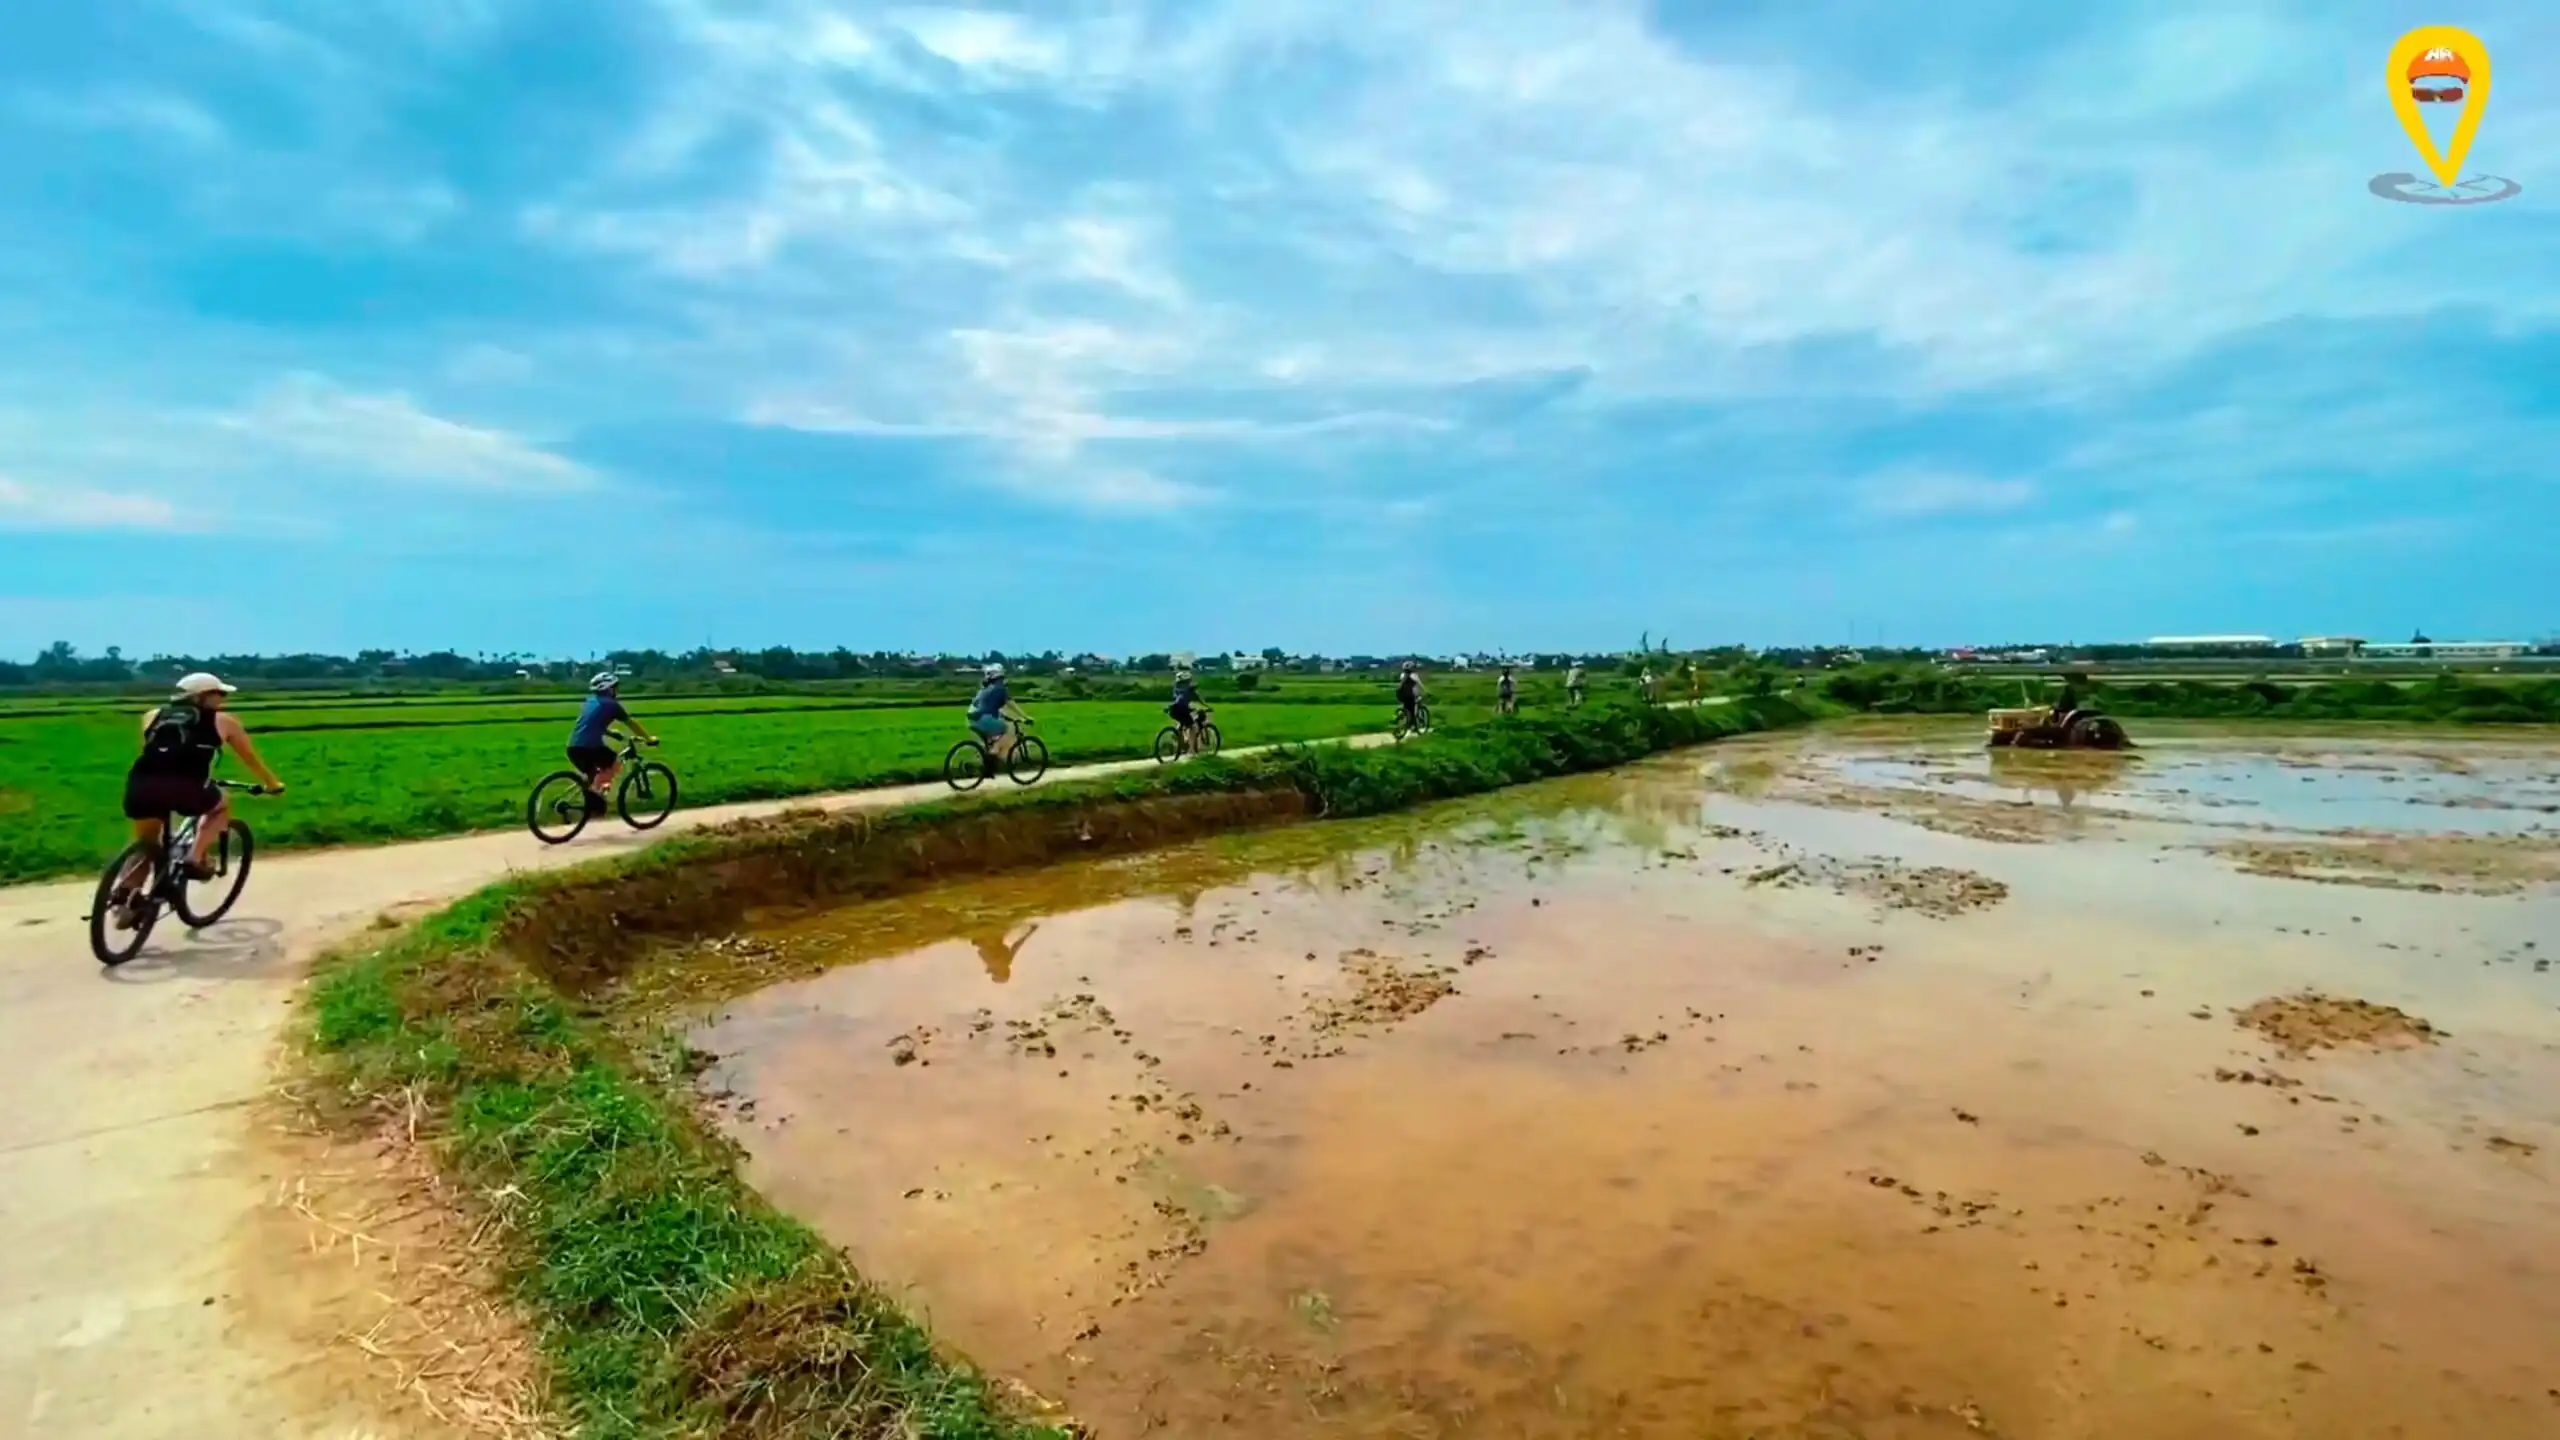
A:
<point x="200" y="683"/>
<point x="1182" y="674"/>
<point x="605" y="680"/>
<point x="993" y="672"/>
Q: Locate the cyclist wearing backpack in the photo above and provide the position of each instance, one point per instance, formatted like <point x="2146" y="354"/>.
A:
<point x="174" y="773"/>
<point x="1185" y="708"/>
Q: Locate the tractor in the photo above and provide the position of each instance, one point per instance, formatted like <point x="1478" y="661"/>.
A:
<point x="2050" y="727"/>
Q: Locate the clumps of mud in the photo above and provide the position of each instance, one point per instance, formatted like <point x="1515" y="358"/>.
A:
<point x="1938" y="891"/>
<point x="2434" y="864"/>
<point x="2309" y="1022"/>
<point x="1383" y="992"/>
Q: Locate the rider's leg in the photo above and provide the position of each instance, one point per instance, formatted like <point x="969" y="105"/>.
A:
<point x="137" y="871"/>
<point x="209" y="828"/>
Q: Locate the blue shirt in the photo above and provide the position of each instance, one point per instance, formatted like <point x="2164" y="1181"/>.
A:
<point x="600" y="711"/>
<point x="992" y="698"/>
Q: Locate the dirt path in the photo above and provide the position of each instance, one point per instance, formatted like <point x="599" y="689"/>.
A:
<point x="131" y="1155"/>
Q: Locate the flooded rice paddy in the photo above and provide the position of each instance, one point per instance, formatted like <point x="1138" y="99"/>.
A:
<point x="1850" y="1083"/>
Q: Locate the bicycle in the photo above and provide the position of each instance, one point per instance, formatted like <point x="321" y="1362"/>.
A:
<point x="646" y="796"/>
<point x="1418" y="723"/>
<point x="1172" y="743"/>
<point x="970" y="763"/>
<point x="168" y="882"/>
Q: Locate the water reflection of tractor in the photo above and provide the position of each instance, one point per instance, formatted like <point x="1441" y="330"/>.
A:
<point x="2067" y="775"/>
<point x="2069" y="723"/>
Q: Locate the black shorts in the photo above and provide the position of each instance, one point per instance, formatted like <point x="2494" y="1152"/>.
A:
<point x="157" y="797"/>
<point x="591" y="758"/>
<point x="1182" y="714"/>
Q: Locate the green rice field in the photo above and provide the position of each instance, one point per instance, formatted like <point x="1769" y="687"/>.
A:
<point x="428" y="766"/>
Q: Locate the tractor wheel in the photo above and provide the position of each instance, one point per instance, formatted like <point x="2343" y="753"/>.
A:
<point x="2097" y="732"/>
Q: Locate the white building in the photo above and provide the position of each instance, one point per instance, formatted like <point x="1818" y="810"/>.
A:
<point x="2447" y="650"/>
<point x="2211" y="642"/>
<point x="1240" y="662"/>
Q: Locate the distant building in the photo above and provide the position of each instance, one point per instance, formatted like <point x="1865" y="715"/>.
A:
<point x="2211" y="642"/>
<point x="2346" y="645"/>
<point x="2448" y="650"/>
<point x="1240" y="662"/>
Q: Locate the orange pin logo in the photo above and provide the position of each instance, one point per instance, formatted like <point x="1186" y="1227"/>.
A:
<point x="2436" y="65"/>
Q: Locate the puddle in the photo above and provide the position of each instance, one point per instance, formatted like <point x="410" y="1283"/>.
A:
<point x="1559" y="1114"/>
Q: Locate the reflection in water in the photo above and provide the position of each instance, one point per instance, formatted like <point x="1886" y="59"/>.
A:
<point x="1549" y="1124"/>
<point x="997" y="953"/>
<point x="2065" y="774"/>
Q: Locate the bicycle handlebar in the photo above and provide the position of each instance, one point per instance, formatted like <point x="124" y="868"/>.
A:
<point x="243" y="786"/>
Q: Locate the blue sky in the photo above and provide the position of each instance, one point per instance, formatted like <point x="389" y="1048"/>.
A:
<point x="558" y="325"/>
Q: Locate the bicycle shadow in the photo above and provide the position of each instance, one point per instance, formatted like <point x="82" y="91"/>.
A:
<point x="242" y="949"/>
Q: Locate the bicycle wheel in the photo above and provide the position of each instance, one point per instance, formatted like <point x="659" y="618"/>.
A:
<point x="1421" y="719"/>
<point x="647" y="796"/>
<point x="966" y="767"/>
<point x="557" y="809"/>
<point x="1029" y="760"/>
<point x="230" y="860"/>
<point x="1168" y="745"/>
<point x="114" y="945"/>
<point x="1209" y="740"/>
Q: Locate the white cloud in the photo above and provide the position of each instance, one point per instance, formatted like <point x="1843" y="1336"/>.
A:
<point x="1917" y="493"/>
<point x="1674" y="217"/>
<point x="156" y="113"/>
<point x="484" y="364"/>
<point x="30" y="507"/>
<point x="314" y="421"/>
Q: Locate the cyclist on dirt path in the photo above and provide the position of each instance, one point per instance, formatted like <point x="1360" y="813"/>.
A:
<point x="990" y="709"/>
<point x="1506" y="692"/>
<point x="1690" y="668"/>
<point x="1409" y="694"/>
<point x="1186" y="698"/>
<point x="1647" y="682"/>
<point x="590" y="747"/>
<point x="174" y="773"/>
<point x="1573" y="685"/>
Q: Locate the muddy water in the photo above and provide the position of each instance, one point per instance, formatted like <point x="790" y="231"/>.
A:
<point x="1835" y="1085"/>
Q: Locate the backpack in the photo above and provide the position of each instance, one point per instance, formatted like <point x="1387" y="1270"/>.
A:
<point x="179" y="726"/>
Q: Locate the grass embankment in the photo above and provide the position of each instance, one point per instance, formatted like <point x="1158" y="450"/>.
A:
<point x="669" y="1298"/>
<point x="417" y="776"/>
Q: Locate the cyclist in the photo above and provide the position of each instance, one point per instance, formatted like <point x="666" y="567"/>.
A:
<point x="1690" y="669"/>
<point x="590" y="740"/>
<point x="1506" y="693"/>
<point x="1185" y="707"/>
<point x="1647" y="682"/>
<point x="990" y="709"/>
<point x="174" y="773"/>
<point x="1573" y="685"/>
<point x="1409" y="695"/>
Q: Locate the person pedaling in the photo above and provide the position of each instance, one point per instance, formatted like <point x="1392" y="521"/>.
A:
<point x="590" y="738"/>
<point x="1186" y="701"/>
<point x="173" y="774"/>
<point x="990" y="710"/>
